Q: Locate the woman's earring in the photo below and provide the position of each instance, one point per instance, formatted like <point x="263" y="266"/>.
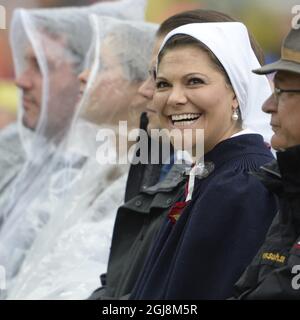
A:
<point x="235" y="115"/>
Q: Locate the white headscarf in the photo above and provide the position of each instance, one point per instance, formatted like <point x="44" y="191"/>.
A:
<point x="229" y="41"/>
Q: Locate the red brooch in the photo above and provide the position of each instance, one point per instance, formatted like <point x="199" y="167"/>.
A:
<point x="176" y="211"/>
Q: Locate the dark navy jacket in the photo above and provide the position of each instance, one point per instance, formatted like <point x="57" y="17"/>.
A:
<point x="203" y="254"/>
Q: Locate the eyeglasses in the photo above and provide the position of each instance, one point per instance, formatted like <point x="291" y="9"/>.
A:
<point x="278" y="92"/>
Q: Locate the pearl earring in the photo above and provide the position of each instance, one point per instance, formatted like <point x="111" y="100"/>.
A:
<point x="235" y="115"/>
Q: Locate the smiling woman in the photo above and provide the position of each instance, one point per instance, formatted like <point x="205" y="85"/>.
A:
<point x="200" y="84"/>
<point x="195" y="95"/>
<point x="204" y="81"/>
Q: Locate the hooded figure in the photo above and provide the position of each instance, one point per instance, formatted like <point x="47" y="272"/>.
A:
<point x="49" y="48"/>
<point x="84" y="194"/>
<point x="13" y="138"/>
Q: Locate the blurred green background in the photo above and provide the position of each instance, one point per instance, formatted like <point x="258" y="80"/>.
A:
<point x="269" y="21"/>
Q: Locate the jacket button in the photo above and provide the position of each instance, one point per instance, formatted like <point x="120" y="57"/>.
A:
<point x="169" y="201"/>
<point x="138" y="203"/>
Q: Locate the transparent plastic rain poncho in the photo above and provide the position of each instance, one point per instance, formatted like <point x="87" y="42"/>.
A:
<point x="68" y="256"/>
<point x="49" y="49"/>
<point x="12" y="155"/>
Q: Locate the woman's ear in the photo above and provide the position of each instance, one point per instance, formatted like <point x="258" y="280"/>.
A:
<point x="235" y="103"/>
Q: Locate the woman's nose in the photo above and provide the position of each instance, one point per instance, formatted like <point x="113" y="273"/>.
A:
<point x="177" y="97"/>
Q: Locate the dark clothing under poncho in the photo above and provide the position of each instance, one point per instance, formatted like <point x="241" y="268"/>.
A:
<point x="203" y="254"/>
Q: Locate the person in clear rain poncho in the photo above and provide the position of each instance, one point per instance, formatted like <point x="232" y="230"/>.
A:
<point x="84" y="194"/>
<point x="12" y="139"/>
<point x="49" y="49"/>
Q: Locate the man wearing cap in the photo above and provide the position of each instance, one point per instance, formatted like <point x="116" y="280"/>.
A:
<point x="275" y="271"/>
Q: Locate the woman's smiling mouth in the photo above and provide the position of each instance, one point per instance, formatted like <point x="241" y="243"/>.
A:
<point x="184" y="119"/>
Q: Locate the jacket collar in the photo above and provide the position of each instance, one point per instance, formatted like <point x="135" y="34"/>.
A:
<point x="288" y="163"/>
<point x="175" y="176"/>
<point x="282" y="175"/>
<point x="270" y="177"/>
<point x="234" y="147"/>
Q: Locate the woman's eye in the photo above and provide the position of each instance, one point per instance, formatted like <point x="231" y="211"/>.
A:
<point x="162" y="84"/>
<point x="195" y="81"/>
